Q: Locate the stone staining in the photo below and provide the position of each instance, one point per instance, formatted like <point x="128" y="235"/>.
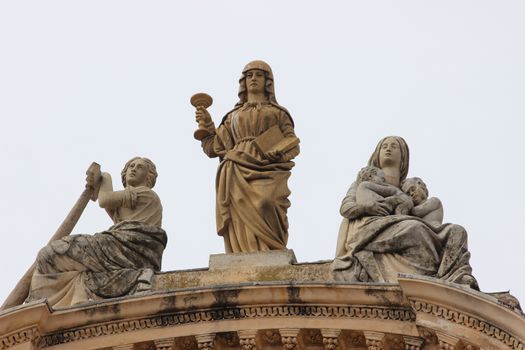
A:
<point x="117" y="262"/>
<point x="372" y="227"/>
<point x="394" y="342"/>
<point x="312" y="338"/>
<point x="271" y="337"/>
<point x="256" y="143"/>
<point x="353" y="340"/>
<point x="186" y="343"/>
<point x="227" y="340"/>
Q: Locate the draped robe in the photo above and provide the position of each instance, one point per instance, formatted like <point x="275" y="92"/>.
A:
<point x="377" y="248"/>
<point x="112" y="263"/>
<point x="252" y="191"/>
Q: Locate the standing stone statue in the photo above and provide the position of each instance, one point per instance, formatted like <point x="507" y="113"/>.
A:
<point x="112" y="263"/>
<point x="255" y="143"/>
<point x="375" y="243"/>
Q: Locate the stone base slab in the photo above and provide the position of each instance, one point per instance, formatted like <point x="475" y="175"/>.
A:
<point x="258" y="259"/>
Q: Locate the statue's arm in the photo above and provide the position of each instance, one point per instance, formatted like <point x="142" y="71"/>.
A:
<point x="431" y="204"/>
<point x="109" y="199"/>
<point x="430" y="210"/>
<point x="349" y="207"/>
<point x="286" y="126"/>
<point x="384" y="190"/>
<point x="219" y="141"/>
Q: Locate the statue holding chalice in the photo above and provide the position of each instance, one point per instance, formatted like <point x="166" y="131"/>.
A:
<point x="201" y="101"/>
<point x="256" y="143"/>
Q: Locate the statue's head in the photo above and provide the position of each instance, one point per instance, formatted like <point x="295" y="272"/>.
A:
<point x="371" y="173"/>
<point x="416" y="189"/>
<point x="139" y="171"/>
<point x="255" y="68"/>
<point x="391" y="151"/>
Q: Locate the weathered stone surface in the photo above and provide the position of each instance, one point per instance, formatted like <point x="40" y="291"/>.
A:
<point x="262" y="269"/>
<point x="419" y="312"/>
<point x="116" y="262"/>
<point x="259" y="259"/>
<point x="375" y="242"/>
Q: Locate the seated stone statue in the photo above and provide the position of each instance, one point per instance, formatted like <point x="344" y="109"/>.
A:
<point x="375" y="243"/>
<point x="428" y="209"/>
<point x="112" y="263"/>
<point x="372" y="186"/>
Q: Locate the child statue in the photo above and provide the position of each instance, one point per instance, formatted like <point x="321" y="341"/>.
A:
<point x="428" y="209"/>
<point x="372" y="187"/>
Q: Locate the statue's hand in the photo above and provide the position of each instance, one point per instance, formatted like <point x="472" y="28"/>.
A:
<point x="275" y="156"/>
<point x="93" y="180"/>
<point x="202" y="116"/>
<point x="376" y="208"/>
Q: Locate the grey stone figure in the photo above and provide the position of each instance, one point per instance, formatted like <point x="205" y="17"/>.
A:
<point x="112" y="263"/>
<point x="375" y="243"/>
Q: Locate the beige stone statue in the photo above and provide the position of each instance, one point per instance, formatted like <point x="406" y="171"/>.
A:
<point x="112" y="263"/>
<point x="255" y="143"/>
<point x="375" y="242"/>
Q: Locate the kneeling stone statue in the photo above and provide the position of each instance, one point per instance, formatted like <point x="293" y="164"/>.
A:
<point x="116" y="262"/>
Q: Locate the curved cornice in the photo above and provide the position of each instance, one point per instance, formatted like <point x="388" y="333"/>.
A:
<point x="390" y="309"/>
<point x="439" y="305"/>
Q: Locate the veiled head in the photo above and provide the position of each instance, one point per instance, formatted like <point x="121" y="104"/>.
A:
<point x="134" y="170"/>
<point x="391" y="150"/>
<point x="268" y="75"/>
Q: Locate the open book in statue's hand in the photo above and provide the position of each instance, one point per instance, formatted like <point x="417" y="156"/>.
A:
<point x="273" y="140"/>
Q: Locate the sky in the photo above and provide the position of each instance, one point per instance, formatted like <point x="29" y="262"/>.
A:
<point x="105" y="81"/>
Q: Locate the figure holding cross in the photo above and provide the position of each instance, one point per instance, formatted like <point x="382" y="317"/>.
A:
<point x="112" y="263"/>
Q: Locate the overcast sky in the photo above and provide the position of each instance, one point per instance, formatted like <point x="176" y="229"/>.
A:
<point x="104" y="81"/>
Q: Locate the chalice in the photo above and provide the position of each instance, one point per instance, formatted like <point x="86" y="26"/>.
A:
<point x="198" y="100"/>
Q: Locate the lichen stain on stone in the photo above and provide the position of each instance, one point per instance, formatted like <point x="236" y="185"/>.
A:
<point x="380" y="295"/>
<point x="168" y="303"/>
<point x="226" y="313"/>
<point x="293" y="295"/>
<point x="225" y="298"/>
<point x="275" y="274"/>
<point x="112" y="309"/>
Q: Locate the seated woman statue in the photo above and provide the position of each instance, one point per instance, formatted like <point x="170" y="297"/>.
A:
<point x="375" y="243"/>
<point x="112" y="263"/>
